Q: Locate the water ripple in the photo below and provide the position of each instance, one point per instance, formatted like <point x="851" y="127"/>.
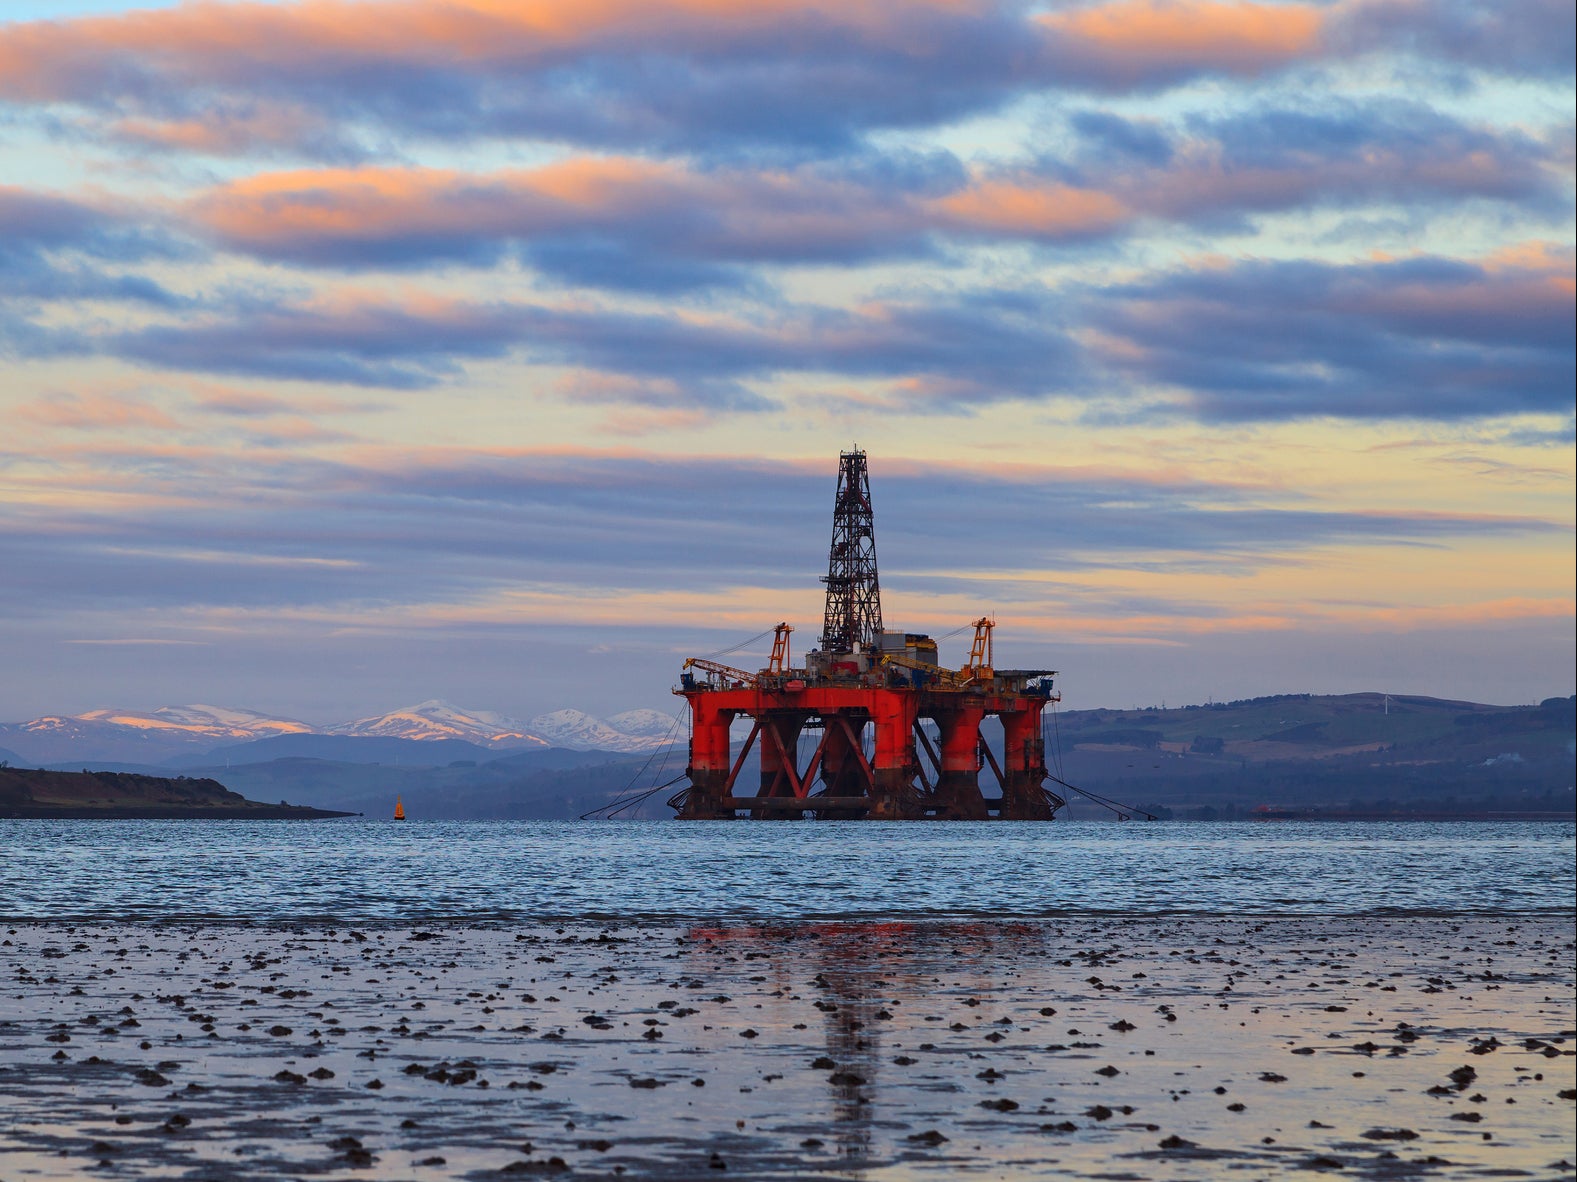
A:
<point x="524" y="870"/>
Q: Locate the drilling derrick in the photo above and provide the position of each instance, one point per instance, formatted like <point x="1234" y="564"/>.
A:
<point x="897" y="735"/>
<point x="853" y="619"/>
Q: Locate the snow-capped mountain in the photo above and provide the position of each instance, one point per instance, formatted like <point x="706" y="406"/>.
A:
<point x="132" y="736"/>
<point x="634" y="730"/>
<point x="647" y="724"/>
<point x="137" y="736"/>
<point x="219" y="722"/>
<point x="434" y="719"/>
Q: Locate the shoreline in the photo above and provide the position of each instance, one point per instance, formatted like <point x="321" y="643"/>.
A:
<point x="765" y="922"/>
<point x="253" y="812"/>
<point x="934" y="1048"/>
<point x="257" y="811"/>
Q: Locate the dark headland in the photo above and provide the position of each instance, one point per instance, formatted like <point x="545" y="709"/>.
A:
<point x="60" y="795"/>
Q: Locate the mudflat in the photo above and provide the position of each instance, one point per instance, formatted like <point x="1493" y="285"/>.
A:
<point x="1147" y="1047"/>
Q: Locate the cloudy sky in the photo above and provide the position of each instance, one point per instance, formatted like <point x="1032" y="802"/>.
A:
<point x="363" y="351"/>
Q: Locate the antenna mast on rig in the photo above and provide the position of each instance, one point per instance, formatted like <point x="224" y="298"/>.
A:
<point x="854" y="597"/>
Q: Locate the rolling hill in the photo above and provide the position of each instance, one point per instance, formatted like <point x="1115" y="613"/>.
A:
<point x="1353" y="752"/>
<point x="41" y="794"/>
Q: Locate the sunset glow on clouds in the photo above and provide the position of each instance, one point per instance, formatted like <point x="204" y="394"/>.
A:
<point x="357" y="349"/>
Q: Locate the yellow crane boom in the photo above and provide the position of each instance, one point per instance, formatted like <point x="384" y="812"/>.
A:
<point x="721" y="670"/>
<point x="945" y="676"/>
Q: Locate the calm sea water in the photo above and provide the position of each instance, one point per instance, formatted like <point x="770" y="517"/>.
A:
<point x="533" y="871"/>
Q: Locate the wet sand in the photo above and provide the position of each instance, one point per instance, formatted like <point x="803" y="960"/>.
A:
<point x="1115" y="1048"/>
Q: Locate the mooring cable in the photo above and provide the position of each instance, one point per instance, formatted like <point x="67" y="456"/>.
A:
<point x="640" y="799"/>
<point x="665" y="747"/>
<point x="1056" y="725"/>
<point x="1125" y="811"/>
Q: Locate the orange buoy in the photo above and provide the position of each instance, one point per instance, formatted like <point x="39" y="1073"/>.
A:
<point x="399" y="810"/>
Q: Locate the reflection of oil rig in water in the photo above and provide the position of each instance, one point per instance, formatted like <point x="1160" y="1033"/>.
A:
<point x="863" y="676"/>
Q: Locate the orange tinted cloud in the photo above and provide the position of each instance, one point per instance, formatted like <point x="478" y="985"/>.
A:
<point x="1498" y="302"/>
<point x="336" y="79"/>
<point x="386" y="214"/>
<point x="94" y="412"/>
<point x="1511" y="610"/>
<point x="322" y="204"/>
<point x="676" y="211"/>
<point x="1044" y="209"/>
<point x="1545" y="270"/>
<point x="222" y="133"/>
<point x="221" y="42"/>
<point x="1521" y="290"/>
<point x="899" y="64"/>
<point x="1535" y="255"/>
<point x="1134" y="38"/>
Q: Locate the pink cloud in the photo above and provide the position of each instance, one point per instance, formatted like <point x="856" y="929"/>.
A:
<point x="1135" y="40"/>
<point x="1037" y="209"/>
<point x="94" y="412"/>
<point x="229" y="77"/>
<point x="382" y="213"/>
<point x="227" y="43"/>
<point x="338" y="205"/>
<point x="400" y="215"/>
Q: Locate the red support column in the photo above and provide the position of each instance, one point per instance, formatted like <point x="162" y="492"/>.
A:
<point x="896" y="763"/>
<point x="709" y="762"/>
<point x="1024" y="762"/>
<point x="958" y="793"/>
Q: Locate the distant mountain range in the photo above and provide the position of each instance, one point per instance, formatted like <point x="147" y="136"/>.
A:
<point x="178" y="733"/>
<point x="1358" y="754"/>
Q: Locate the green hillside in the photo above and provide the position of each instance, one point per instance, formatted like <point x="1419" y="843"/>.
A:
<point x="1305" y="725"/>
<point x="1354" y="752"/>
<point x="42" y="793"/>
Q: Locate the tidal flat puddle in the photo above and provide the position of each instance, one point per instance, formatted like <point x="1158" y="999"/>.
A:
<point x="1121" y="1047"/>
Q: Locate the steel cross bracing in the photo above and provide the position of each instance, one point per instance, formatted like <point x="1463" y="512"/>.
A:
<point x="854" y="596"/>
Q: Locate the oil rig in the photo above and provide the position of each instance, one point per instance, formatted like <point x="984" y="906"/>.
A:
<point x="865" y="680"/>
